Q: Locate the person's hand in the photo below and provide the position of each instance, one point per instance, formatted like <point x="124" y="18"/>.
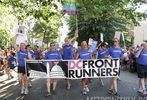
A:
<point x="76" y="33"/>
<point x="109" y="57"/>
<point x="142" y="47"/>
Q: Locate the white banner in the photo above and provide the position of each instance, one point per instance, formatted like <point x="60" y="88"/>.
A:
<point x="93" y="68"/>
<point x="73" y="69"/>
<point x="117" y="35"/>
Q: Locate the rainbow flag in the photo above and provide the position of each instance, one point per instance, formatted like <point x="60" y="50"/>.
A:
<point x="69" y="7"/>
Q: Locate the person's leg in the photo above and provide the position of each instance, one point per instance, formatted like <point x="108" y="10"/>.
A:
<point x="143" y="86"/>
<point x="68" y="83"/>
<point x="84" y="86"/>
<point x="139" y="83"/>
<point x="111" y="84"/>
<point x="20" y="78"/>
<point x="26" y="83"/>
<point x="115" y="84"/>
<point x="87" y="81"/>
<point x="11" y="70"/>
<point x="111" y="89"/>
<point x="22" y="83"/>
<point x="145" y="82"/>
<point x="48" y="86"/>
<point x="54" y="85"/>
<point x="101" y="81"/>
<point x="8" y="73"/>
<point x="142" y="83"/>
<point x="29" y="82"/>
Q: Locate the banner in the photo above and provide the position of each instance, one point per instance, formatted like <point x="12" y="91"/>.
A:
<point x="69" y="7"/>
<point x="78" y="69"/>
<point x="44" y="69"/>
<point x="117" y="35"/>
<point x="73" y="69"/>
<point x="20" y="38"/>
<point x="92" y="44"/>
<point x="101" y="37"/>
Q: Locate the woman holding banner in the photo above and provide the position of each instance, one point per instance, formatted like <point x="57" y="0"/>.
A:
<point x="142" y="68"/>
<point x="30" y="53"/>
<point x="52" y="54"/>
<point x="115" y="52"/>
<point x="68" y="52"/>
<point x="22" y="54"/>
<point x="84" y="53"/>
<point x="101" y="53"/>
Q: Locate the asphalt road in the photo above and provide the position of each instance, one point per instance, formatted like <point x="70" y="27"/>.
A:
<point x="127" y="86"/>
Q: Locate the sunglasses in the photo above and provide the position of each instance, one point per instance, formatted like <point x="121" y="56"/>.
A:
<point x="52" y="45"/>
<point x="115" y="41"/>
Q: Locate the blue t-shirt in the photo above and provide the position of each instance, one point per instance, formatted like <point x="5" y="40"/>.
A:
<point x="68" y="52"/>
<point x="11" y="59"/>
<point x="142" y="59"/>
<point x="32" y="54"/>
<point x="22" y="55"/>
<point x="84" y="54"/>
<point x="36" y="55"/>
<point x="115" y="52"/>
<point x="102" y="53"/>
<point x="53" y="55"/>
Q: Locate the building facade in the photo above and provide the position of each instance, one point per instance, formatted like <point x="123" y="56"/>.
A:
<point x="140" y="33"/>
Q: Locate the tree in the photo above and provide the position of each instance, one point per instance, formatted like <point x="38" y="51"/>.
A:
<point x="105" y="16"/>
<point x="6" y="27"/>
<point x="45" y="13"/>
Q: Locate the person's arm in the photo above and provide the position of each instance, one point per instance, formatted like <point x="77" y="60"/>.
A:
<point x="45" y="57"/>
<point x="29" y="55"/>
<point x="77" y="55"/>
<point x="60" y="56"/>
<point x="72" y="40"/>
<point x="107" y="54"/>
<point x="95" y="54"/>
<point x="9" y="61"/>
<point x="138" y="53"/>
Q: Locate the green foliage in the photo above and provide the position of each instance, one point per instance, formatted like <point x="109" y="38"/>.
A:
<point x="105" y="16"/>
<point x="6" y="26"/>
<point x="48" y="18"/>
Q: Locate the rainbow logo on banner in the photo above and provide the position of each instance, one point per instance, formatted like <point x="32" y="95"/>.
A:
<point x="69" y="7"/>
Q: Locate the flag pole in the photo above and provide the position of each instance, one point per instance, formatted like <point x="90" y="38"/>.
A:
<point x="76" y="17"/>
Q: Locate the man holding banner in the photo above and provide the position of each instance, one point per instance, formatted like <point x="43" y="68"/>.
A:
<point x="101" y="53"/>
<point x="52" y="54"/>
<point x="68" y="52"/>
<point x="115" y="52"/>
<point x="84" y="53"/>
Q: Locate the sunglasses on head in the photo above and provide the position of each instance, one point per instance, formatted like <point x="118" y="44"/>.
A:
<point x="52" y="45"/>
<point x="115" y="41"/>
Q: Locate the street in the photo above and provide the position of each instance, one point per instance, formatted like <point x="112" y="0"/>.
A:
<point x="127" y="87"/>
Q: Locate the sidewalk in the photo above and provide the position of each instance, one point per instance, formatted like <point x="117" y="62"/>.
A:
<point x="4" y="78"/>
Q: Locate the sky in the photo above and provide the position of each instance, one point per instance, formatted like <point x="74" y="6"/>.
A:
<point x="142" y="8"/>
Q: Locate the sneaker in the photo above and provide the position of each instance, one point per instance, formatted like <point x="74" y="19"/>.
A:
<point x="116" y="94"/>
<point x="144" y="93"/>
<point x="12" y="77"/>
<point x="84" y="91"/>
<point x="102" y="84"/>
<point x="110" y="91"/>
<point x="54" y="92"/>
<point x="22" y="90"/>
<point x="118" y="79"/>
<point x="68" y="87"/>
<point x="30" y="85"/>
<point x="140" y="91"/>
<point x="87" y="89"/>
<point x="48" y="94"/>
<point x="26" y="91"/>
